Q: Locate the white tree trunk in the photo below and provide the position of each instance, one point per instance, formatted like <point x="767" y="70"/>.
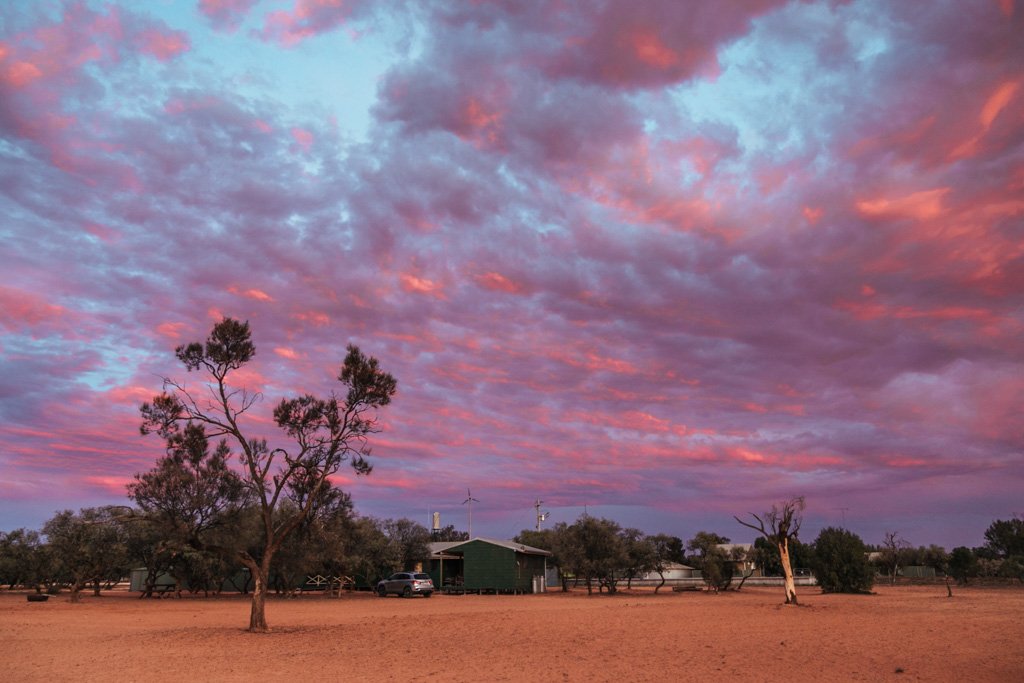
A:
<point x="787" y="572"/>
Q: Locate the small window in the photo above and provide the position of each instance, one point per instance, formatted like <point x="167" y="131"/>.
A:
<point x="421" y="577"/>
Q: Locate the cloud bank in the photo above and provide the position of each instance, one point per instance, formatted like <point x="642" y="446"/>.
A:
<point x="669" y="261"/>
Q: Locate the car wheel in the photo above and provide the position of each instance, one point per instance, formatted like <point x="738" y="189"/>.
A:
<point x="407" y="593"/>
<point x="382" y="591"/>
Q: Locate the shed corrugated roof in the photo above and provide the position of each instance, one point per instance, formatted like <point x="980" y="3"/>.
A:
<point x="511" y="545"/>
<point x="441" y="546"/>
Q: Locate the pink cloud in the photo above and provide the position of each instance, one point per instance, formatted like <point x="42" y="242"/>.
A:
<point x="921" y="205"/>
<point x="226" y="15"/>
<point x="303" y="138"/>
<point x="749" y="455"/>
<point x="746" y="286"/>
<point x="44" y="70"/>
<point x="111" y="485"/>
<point x="993" y="107"/>
<point x="313" y="317"/>
<point x="103" y="232"/>
<point x="308" y="18"/>
<point x="643" y="45"/>
<point x="171" y="330"/>
<point x="997" y="102"/>
<point x="20" y="309"/>
<point x="285" y="352"/>
<point x="481" y="122"/>
<point x="133" y="395"/>
<point x="498" y="282"/>
<point x="252" y="293"/>
<point x="386" y="481"/>
<point x="632" y="420"/>
<point x="164" y="45"/>
<point x="649" y="48"/>
<point x="419" y="285"/>
<point x="813" y="214"/>
<point x="20" y="74"/>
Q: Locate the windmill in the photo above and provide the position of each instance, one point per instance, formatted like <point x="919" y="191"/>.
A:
<point x="469" y="501"/>
<point x="541" y="516"/>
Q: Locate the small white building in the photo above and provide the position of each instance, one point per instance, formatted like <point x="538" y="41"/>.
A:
<point x="673" y="572"/>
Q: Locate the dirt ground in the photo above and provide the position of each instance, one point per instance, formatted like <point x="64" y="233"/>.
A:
<point x="902" y="633"/>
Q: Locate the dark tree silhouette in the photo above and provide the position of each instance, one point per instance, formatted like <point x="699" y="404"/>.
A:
<point x="324" y="433"/>
<point x="1005" y="537"/>
<point x="712" y="561"/>
<point x="449" y="534"/>
<point x="840" y="562"/>
<point x="88" y="547"/>
<point x="411" y="541"/>
<point x="192" y="490"/>
<point x="666" y="549"/>
<point x="963" y="565"/>
<point x="593" y="549"/>
<point x="23" y="559"/>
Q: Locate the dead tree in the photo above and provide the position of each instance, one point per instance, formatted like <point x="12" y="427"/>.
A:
<point x="893" y="549"/>
<point x="779" y="525"/>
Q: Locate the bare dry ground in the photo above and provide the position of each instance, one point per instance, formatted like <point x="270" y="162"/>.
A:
<point x="902" y="634"/>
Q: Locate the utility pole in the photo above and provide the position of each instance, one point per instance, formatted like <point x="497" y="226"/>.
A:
<point x="843" y="510"/>
<point x="541" y="516"/>
<point x="469" y="501"/>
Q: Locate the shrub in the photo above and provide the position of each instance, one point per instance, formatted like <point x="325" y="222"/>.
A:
<point x="1013" y="568"/>
<point x="716" y="570"/>
<point x="840" y="562"/>
<point x="963" y="564"/>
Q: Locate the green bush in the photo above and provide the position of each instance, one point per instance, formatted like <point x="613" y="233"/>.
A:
<point x="1013" y="568"/>
<point x="840" y="562"/>
<point x="963" y="564"/>
<point x="716" y="570"/>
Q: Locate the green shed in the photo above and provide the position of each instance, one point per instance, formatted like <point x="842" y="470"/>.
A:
<point x="488" y="565"/>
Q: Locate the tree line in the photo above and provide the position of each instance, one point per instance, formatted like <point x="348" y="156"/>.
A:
<point x="95" y="549"/>
<point x="602" y="555"/>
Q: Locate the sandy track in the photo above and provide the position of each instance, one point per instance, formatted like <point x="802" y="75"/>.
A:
<point x="903" y="633"/>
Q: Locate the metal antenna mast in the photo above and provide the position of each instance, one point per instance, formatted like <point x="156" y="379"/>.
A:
<point x="469" y="501"/>
<point x="541" y="516"/>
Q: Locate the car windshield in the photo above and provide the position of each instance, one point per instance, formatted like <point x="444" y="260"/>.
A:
<point x="421" y="577"/>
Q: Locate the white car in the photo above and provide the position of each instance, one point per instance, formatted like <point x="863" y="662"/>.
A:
<point x="406" y="584"/>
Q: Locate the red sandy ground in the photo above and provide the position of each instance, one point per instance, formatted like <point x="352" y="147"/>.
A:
<point x="906" y="633"/>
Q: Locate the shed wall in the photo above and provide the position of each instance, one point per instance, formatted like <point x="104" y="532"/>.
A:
<point x="491" y="567"/>
<point x="488" y="567"/>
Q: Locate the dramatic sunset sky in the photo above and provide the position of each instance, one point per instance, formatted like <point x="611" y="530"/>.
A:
<point x="664" y="261"/>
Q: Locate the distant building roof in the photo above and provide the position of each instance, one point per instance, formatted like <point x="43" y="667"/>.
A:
<point x="670" y="566"/>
